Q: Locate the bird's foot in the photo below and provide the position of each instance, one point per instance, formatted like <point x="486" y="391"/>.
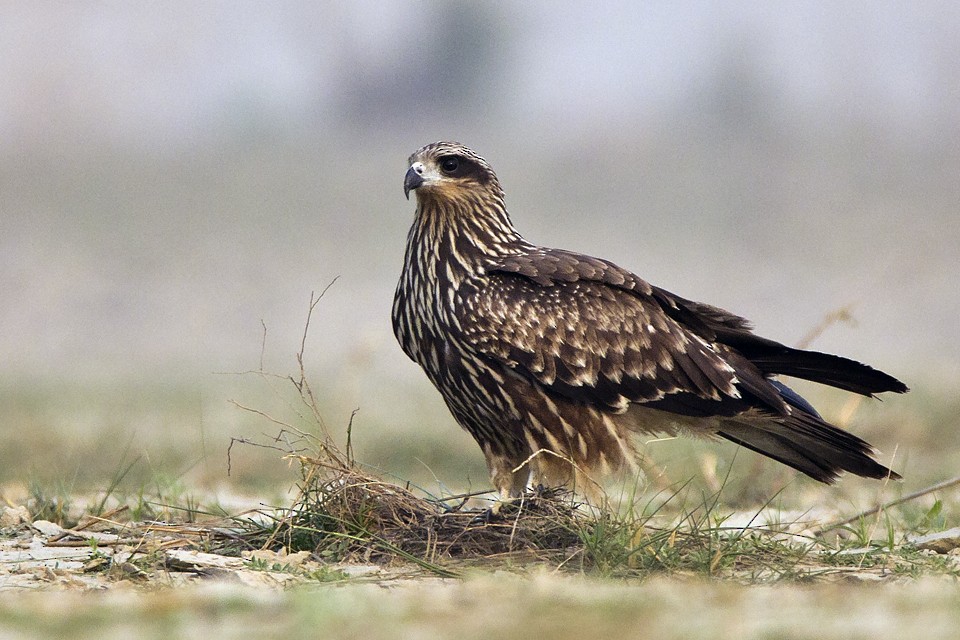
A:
<point x="498" y="511"/>
<point x="485" y="517"/>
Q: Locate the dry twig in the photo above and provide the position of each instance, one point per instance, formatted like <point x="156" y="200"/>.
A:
<point x="946" y="484"/>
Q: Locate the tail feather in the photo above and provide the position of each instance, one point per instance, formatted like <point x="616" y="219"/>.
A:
<point x="771" y="357"/>
<point x="774" y="358"/>
<point x="808" y="444"/>
<point x="829" y="369"/>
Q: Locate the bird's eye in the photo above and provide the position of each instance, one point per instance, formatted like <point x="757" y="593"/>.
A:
<point x="449" y="164"/>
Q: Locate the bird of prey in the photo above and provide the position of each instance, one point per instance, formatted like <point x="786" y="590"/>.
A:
<point x="553" y="360"/>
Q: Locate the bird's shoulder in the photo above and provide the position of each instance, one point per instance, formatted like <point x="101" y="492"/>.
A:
<point x="548" y="267"/>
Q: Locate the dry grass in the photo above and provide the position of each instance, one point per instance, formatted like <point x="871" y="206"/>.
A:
<point x="351" y="515"/>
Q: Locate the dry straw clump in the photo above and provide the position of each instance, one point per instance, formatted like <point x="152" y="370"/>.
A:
<point x="344" y="512"/>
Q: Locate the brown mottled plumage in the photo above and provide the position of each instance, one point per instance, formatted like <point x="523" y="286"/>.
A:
<point x="552" y="360"/>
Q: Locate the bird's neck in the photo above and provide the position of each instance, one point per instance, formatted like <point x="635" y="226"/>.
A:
<point x="469" y="234"/>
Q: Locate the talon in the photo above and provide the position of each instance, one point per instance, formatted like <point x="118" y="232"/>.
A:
<point x="496" y="511"/>
<point x="486" y="516"/>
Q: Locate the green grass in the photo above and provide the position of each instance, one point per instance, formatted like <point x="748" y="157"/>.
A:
<point x="684" y="528"/>
<point x="43" y="440"/>
<point x="709" y="510"/>
<point x="685" y="531"/>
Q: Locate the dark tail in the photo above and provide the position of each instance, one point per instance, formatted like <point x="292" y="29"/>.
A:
<point x="808" y="444"/>
<point x="773" y="358"/>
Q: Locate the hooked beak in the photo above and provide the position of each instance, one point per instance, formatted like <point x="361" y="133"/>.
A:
<point x="413" y="179"/>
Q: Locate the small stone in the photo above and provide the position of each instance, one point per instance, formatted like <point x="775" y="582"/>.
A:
<point x="358" y="570"/>
<point x="12" y="516"/>
<point x="96" y="564"/>
<point x="47" y="528"/>
<point x="940" y="542"/>
<point x="281" y="557"/>
<point x="261" y="554"/>
<point x="298" y="558"/>
<point x="184" y="560"/>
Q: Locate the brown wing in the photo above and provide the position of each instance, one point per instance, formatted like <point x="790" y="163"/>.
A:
<point x="596" y="333"/>
<point x="550" y="266"/>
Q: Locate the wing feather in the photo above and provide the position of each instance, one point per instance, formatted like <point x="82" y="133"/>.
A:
<point x="593" y="332"/>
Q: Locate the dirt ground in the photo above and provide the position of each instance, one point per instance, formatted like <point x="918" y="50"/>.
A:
<point x="153" y="580"/>
<point x="502" y="605"/>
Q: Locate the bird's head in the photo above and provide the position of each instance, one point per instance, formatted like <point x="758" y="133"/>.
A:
<point x="449" y="171"/>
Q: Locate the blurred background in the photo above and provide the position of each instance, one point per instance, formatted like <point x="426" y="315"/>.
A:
<point x="176" y="179"/>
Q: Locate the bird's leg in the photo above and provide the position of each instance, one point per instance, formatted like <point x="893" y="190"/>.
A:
<point x="510" y="479"/>
<point x="505" y="497"/>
